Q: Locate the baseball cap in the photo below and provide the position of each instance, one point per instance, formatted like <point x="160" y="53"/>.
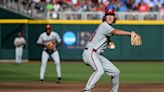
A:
<point x="48" y="26"/>
<point x="109" y="12"/>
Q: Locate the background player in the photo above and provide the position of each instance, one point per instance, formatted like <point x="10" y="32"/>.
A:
<point x="19" y="43"/>
<point x="92" y="54"/>
<point x="47" y="40"/>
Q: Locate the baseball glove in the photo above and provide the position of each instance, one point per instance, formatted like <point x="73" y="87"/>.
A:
<point x="135" y="39"/>
<point x="51" y="45"/>
<point x="19" y="43"/>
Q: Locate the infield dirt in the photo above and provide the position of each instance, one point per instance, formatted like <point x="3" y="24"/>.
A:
<point x="76" y="87"/>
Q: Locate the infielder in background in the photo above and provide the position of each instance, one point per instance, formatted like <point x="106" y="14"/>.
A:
<point x="92" y="54"/>
<point x="50" y="41"/>
<point x="19" y="43"/>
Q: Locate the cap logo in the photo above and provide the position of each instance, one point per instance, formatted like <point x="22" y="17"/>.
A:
<point x="109" y="10"/>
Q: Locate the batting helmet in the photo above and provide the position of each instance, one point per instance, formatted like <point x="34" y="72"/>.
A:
<point x="109" y="12"/>
<point x="48" y="26"/>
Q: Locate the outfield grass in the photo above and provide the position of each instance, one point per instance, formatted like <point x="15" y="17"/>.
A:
<point x="131" y="72"/>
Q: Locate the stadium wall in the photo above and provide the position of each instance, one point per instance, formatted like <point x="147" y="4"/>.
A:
<point x="75" y="34"/>
<point x="8" y="14"/>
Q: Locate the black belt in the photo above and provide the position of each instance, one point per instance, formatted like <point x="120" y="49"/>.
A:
<point x="49" y="51"/>
<point x="92" y="49"/>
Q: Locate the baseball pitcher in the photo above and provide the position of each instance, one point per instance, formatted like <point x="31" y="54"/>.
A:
<point x="19" y="43"/>
<point x="48" y="40"/>
<point x="99" y="41"/>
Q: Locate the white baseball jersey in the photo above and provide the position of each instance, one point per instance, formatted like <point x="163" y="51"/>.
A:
<point x="98" y="40"/>
<point x="45" y="39"/>
<point x="19" y="40"/>
<point x="19" y="43"/>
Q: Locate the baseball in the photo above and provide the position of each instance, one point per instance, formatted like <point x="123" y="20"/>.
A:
<point x="111" y="45"/>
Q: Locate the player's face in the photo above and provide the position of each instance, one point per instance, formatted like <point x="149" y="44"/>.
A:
<point x="111" y="19"/>
<point x="48" y="31"/>
<point x="19" y="34"/>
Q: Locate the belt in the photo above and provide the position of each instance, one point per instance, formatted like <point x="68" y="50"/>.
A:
<point x="50" y="51"/>
<point x="93" y="50"/>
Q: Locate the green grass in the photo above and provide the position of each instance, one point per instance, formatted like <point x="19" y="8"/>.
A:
<point x="131" y="72"/>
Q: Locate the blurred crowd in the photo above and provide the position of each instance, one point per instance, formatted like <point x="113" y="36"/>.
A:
<point x="79" y="6"/>
<point x="92" y="5"/>
<point x="100" y="5"/>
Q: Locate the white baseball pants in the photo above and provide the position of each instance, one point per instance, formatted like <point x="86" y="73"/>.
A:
<point x="100" y="65"/>
<point x="56" y="59"/>
<point x="18" y="54"/>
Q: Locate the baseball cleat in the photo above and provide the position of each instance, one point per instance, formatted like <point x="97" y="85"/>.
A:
<point x="86" y="91"/>
<point x="41" y="81"/>
<point x="58" y="80"/>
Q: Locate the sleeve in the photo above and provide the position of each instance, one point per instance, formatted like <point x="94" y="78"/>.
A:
<point x="57" y="37"/>
<point x="108" y="29"/>
<point x="24" y="41"/>
<point x="14" y="42"/>
<point x="39" y="41"/>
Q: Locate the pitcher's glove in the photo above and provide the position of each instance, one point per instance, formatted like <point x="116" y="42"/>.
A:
<point x="135" y="39"/>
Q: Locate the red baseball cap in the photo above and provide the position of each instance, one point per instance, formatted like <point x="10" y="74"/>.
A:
<point x="48" y="26"/>
<point x="109" y="12"/>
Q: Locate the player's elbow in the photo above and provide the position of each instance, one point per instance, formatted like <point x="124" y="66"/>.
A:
<point x="40" y="44"/>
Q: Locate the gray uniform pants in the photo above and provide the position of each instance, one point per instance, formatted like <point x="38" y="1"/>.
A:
<point x="100" y="65"/>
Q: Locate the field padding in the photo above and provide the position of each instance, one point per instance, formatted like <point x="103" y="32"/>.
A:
<point x="122" y="22"/>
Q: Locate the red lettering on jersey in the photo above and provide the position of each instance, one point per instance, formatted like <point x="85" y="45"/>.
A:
<point x="92" y="36"/>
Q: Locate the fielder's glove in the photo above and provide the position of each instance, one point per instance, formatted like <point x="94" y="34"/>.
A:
<point x="51" y="45"/>
<point x="135" y="39"/>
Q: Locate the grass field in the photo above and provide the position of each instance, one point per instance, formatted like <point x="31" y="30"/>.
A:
<point x="131" y="72"/>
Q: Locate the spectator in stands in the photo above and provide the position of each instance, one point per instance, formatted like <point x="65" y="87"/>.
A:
<point x="162" y="11"/>
<point x="111" y="5"/>
<point x="50" y="6"/>
<point x="26" y="6"/>
<point x="122" y="7"/>
<point x="131" y="5"/>
<point x="143" y="7"/>
<point x="151" y="4"/>
<point x="37" y="7"/>
<point x="56" y="6"/>
<point x="159" y="3"/>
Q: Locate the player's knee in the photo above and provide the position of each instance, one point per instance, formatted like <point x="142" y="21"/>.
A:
<point x="117" y="72"/>
<point x="57" y="63"/>
<point x="44" y="65"/>
<point x="100" y="72"/>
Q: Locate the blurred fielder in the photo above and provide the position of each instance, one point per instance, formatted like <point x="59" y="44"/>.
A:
<point x="99" y="41"/>
<point x="47" y="40"/>
<point x="19" y="42"/>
